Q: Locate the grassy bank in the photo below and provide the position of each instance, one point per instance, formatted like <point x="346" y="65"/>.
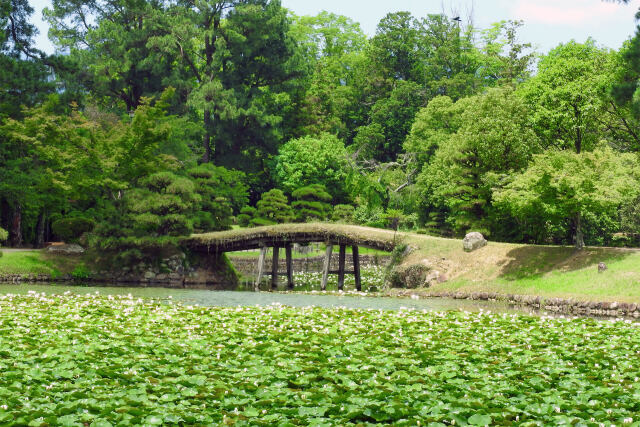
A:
<point x="547" y="271"/>
<point x="96" y="360"/>
<point x="38" y="262"/>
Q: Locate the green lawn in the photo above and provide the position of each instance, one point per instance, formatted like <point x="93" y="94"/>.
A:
<point x="551" y="274"/>
<point x="37" y="262"/>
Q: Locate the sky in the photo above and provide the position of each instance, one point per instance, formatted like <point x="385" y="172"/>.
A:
<point x="546" y="22"/>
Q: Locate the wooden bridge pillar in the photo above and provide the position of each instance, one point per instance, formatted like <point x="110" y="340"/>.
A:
<point x="341" y="267"/>
<point x="326" y="269"/>
<point x="261" y="260"/>
<point x="274" y="268"/>
<point x="326" y="266"/>
<point x="341" y="260"/>
<point x="289" y="266"/>
<point x="356" y="267"/>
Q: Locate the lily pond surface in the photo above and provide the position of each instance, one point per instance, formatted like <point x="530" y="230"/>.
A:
<point x="239" y="298"/>
<point x="72" y="357"/>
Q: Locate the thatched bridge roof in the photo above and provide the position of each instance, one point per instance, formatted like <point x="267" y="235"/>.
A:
<point x="279" y="235"/>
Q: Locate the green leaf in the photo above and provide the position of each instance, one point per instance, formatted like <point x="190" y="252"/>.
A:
<point x="479" y="420"/>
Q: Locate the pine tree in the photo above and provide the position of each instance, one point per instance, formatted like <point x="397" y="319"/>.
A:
<point x="273" y="208"/>
<point x="311" y="203"/>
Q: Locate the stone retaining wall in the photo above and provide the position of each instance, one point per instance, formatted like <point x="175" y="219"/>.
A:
<point x="171" y="280"/>
<point x="249" y="265"/>
<point x="555" y="305"/>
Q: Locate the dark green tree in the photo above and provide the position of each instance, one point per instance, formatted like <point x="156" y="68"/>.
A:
<point x="247" y="213"/>
<point x="221" y="192"/>
<point x="243" y="63"/>
<point x="110" y="54"/>
<point x="273" y="208"/>
<point x="153" y="217"/>
<point x="393" y="116"/>
<point x="311" y="203"/>
<point x="492" y="141"/>
<point x="452" y="59"/>
<point x="23" y="69"/>
<point x="342" y="213"/>
<point x="397" y="49"/>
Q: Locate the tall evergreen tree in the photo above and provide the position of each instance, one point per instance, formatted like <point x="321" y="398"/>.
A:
<point x="24" y="69"/>
<point x="110" y="48"/>
<point x="242" y="62"/>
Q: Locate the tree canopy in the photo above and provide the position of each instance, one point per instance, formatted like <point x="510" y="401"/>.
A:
<point x="158" y="118"/>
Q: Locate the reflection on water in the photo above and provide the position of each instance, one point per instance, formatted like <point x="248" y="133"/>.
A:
<point x="232" y="298"/>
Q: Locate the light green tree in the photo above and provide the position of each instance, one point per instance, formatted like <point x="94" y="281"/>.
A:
<point x="313" y="160"/>
<point x="333" y="49"/>
<point x="433" y="126"/>
<point x="327" y="35"/>
<point x="493" y="140"/>
<point x="503" y="59"/>
<point x="568" y="95"/>
<point x="561" y="185"/>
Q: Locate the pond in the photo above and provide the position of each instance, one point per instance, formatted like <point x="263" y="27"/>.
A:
<point x="239" y="298"/>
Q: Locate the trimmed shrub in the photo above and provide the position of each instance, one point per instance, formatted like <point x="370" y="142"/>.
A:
<point x="311" y="203"/>
<point x="273" y="207"/>
<point x="246" y="215"/>
<point x="70" y="229"/>
<point x="3" y="234"/>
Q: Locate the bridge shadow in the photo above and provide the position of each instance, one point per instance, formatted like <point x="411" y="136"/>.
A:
<point x="535" y="261"/>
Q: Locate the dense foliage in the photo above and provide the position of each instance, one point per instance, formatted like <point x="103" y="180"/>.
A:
<point x="431" y="121"/>
<point x="122" y="361"/>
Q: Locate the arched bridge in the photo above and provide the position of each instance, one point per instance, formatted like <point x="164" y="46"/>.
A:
<point x="285" y="235"/>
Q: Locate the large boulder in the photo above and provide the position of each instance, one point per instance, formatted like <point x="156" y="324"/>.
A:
<point x="411" y="276"/>
<point x="473" y="241"/>
<point x="66" y="249"/>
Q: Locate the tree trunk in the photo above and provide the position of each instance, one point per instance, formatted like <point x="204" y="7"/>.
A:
<point x="15" y="233"/>
<point x="206" y="156"/>
<point x="40" y="226"/>
<point x="578" y="231"/>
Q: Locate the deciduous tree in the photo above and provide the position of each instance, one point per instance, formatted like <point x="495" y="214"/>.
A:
<point x="560" y="185"/>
